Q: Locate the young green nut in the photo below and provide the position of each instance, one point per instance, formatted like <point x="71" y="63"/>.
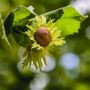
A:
<point x="42" y="36"/>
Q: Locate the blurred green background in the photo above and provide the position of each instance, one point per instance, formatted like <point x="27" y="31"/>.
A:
<point x="69" y="67"/>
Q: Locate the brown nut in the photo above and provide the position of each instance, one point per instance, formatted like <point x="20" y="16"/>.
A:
<point x="42" y="36"/>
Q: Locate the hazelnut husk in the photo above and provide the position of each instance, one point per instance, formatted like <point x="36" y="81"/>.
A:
<point x="42" y="36"/>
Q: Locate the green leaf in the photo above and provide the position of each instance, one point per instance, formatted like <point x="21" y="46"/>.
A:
<point x="8" y="23"/>
<point x="17" y="17"/>
<point x="15" y="23"/>
<point x="4" y="43"/>
<point x="70" y="21"/>
<point x="55" y="14"/>
<point x="22" y="14"/>
<point x="19" y="36"/>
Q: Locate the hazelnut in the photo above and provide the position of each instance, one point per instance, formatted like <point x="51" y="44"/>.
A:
<point x="42" y="36"/>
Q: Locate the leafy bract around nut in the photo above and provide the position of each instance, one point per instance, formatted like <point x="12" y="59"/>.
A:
<point x="44" y="37"/>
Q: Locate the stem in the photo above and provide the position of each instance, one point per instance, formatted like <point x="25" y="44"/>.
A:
<point x="48" y="13"/>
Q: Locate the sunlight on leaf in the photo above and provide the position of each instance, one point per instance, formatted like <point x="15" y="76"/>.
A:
<point x="70" y="21"/>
